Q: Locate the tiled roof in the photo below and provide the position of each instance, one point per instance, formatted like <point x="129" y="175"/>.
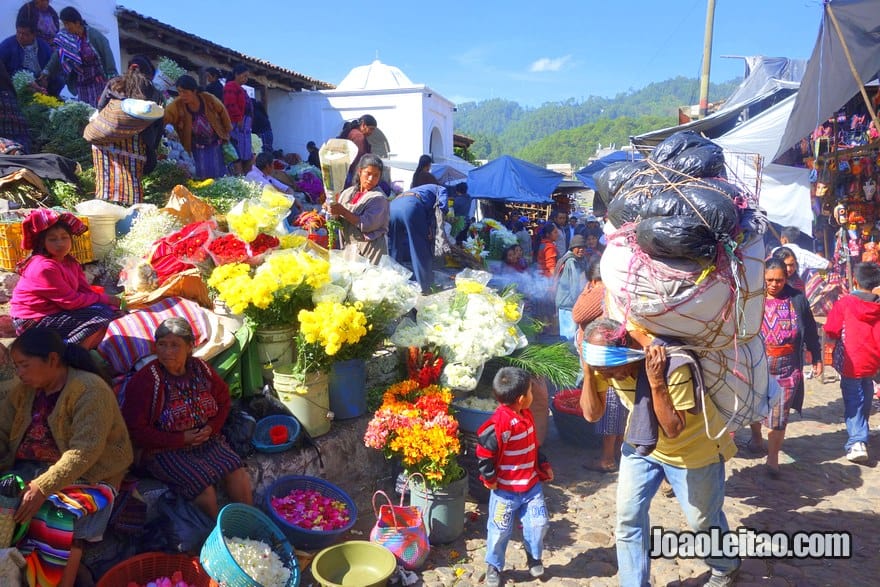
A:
<point x="259" y="66"/>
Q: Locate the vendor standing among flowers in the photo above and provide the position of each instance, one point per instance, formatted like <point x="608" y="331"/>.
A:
<point x="413" y="227"/>
<point x="175" y="407"/>
<point x="84" y="55"/>
<point x="571" y="277"/>
<point x="364" y="211"/>
<point x="241" y="113"/>
<point x="202" y="124"/>
<point x="61" y="427"/>
<point x="53" y="292"/>
<point x="120" y="166"/>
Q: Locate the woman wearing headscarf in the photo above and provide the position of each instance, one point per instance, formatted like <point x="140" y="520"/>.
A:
<point x="423" y="175"/>
<point x="52" y="291"/>
<point x="44" y="18"/>
<point x="84" y="55"/>
<point x="175" y="407"/>
<point x="62" y="432"/>
<point x="241" y="113"/>
<point x="203" y="125"/>
<point x="121" y="165"/>
<point x="364" y="211"/>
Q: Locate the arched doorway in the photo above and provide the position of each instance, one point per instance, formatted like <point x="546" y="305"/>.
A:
<point x="436" y="145"/>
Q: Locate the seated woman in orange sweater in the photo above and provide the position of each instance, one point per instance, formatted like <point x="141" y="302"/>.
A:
<point x="53" y="292"/>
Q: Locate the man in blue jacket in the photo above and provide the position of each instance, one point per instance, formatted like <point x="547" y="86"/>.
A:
<point x="24" y="50"/>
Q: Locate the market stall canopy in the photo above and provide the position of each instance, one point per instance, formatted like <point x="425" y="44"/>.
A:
<point x="767" y="81"/>
<point x="828" y="83"/>
<point x="513" y="180"/>
<point x="586" y="173"/>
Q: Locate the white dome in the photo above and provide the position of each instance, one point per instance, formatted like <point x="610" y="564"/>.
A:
<point x="375" y="76"/>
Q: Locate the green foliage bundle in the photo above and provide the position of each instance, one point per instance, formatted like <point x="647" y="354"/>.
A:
<point x="159" y="183"/>
<point x="63" y="134"/>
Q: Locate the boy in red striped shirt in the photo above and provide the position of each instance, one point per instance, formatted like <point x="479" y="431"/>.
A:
<point x="512" y="467"/>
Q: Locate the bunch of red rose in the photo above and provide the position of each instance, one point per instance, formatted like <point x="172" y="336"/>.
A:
<point x="228" y="249"/>
<point x="261" y="244"/>
<point x="188" y="243"/>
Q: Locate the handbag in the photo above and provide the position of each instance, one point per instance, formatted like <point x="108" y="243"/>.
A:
<point x="112" y="124"/>
<point x="401" y="529"/>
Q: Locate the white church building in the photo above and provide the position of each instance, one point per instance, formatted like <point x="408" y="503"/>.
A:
<point x="413" y="119"/>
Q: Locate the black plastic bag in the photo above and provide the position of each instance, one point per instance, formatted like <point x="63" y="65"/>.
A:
<point x="626" y="207"/>
<point x="266" y="403"/>
<point x="182" y="525"/>
<point x="702" y="161"/>
<point x="239" y="430"/>
<point x="697" y="200"/>
<point x="676" y="237"/>
<point x="677" y="143"/>
<point x="611" y="179"/>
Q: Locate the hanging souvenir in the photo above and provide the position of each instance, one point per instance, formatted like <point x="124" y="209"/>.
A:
<point x="869" y="187"/>
<point x="840" y="214"/>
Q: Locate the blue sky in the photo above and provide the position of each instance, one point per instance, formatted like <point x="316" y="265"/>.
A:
<point x="531" y="52"/>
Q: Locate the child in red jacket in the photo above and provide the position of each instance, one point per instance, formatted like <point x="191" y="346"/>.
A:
<point x="511" y="466"/>
<point x="854" y="321"/>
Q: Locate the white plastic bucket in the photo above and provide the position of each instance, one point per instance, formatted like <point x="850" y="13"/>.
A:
<point x="103" y="233"/>
<point x="307" y="398"/>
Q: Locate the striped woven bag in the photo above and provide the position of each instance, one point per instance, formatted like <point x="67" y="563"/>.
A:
<point x="111" y="124"/>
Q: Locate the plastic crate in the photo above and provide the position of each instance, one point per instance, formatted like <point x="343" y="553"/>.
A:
<point x="11" y="251"/>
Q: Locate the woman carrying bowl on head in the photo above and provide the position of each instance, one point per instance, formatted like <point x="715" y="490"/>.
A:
<point x="364" y="211"/>
<point x="175" y="407"/>
<point x="53" y="292"/>
<point x="62" y="432"/>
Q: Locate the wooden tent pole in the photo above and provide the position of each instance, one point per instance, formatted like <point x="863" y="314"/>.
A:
<point x="852" y="66"/>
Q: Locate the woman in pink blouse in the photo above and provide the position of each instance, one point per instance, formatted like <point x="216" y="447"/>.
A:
<point x="53" y="291"/>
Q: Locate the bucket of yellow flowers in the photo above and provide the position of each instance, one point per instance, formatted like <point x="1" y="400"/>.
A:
<point x="324" y="332"/>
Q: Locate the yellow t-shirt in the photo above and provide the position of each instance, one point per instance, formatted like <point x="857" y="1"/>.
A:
<point x="693" y="448"/>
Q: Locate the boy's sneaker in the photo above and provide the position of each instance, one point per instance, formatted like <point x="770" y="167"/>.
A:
<point x="493" y="577"/>
<point x="723" y="580"/>
<point x="858" y="453"/>
<point x="536" y="567"/>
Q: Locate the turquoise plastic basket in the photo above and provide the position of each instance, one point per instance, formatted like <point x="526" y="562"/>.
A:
<point x="237" y="520"/>
<point x="303" y="538"/>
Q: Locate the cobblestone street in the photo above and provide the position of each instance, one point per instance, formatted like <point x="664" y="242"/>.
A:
<point x="819" y="490"/>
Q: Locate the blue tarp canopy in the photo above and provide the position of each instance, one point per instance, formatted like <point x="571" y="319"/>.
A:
<point x="513" y="180"/>
<point x="586" y="174"/>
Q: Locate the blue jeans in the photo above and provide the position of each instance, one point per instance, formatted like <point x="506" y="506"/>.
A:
<point x="506" y="508"/>
<point x="857" y="395"/>
<point x="699" y="491"/>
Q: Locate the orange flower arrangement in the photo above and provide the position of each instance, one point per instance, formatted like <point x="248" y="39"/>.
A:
<point x="414" y="424"/>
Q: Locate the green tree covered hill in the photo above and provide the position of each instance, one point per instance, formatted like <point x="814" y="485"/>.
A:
<point x="570" y="131"/>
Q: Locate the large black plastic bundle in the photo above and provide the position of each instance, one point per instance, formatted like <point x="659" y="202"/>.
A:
<point x="683" y="205"/>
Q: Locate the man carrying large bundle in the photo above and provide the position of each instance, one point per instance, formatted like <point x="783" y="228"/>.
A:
<point x="666" y="436"/>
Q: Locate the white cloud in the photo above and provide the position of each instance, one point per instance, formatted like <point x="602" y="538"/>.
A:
<point x="548" y="64"/>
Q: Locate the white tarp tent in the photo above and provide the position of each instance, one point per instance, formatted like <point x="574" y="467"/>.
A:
<point x="785" y="191"/>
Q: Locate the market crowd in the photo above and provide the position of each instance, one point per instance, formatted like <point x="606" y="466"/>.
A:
<point x="71" y="440"/>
